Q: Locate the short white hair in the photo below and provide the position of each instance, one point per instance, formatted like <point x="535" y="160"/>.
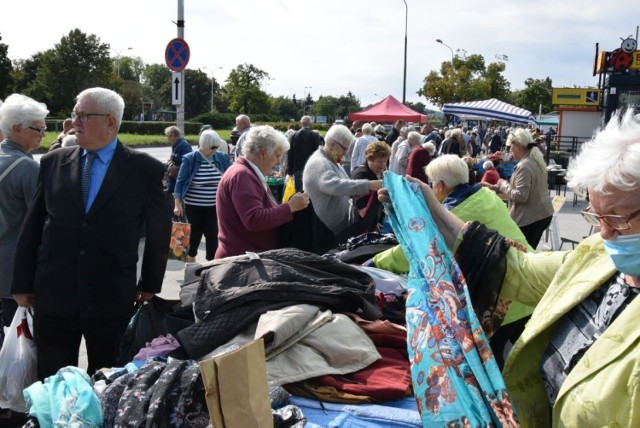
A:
<point x="209" y="139"/>
<point x="450" y="169"/>
<point x="340" y="134"/>
<point x="266" y="138"/>
<point x="488" y="165"/>
<point x="430" y="147"/>
<point x="611" y="159"/>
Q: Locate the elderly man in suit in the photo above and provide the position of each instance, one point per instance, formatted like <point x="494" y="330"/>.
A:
<point x="77" y="253"/>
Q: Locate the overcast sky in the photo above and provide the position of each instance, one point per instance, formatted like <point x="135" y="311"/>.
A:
<point x="336" y="46"/>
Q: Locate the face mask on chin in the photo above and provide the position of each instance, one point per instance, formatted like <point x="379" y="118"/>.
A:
<point x="335" y="156"/>
<point x="625" y="253"/>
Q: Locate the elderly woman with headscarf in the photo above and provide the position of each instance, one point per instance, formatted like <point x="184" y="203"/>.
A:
<point x="527" y="190"/>
<point x="248" y="214"/>
<point x="576" y="362"/>
<point x="195" y="192"/>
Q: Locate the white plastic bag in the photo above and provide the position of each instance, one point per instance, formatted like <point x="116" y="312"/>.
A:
<point x="18" y="361"/>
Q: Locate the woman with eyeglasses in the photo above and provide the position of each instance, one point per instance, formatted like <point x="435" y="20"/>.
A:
<point x="328" y="185"/>
<point x="195" y="192"/>
<point x="22" y="121"/>
<point x="577" y="363"/>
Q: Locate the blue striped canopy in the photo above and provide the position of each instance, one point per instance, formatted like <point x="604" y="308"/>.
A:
<point x="492" y="109"/>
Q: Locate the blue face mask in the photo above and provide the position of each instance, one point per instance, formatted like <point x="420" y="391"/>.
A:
<point x="625" y="253"/>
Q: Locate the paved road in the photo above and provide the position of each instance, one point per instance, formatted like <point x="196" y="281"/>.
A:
<point x="160" y="153"/>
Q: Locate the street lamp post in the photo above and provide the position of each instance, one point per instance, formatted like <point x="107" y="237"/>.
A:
<point x="404" y="81"/>
<point x="444" y="44"/>
<point x="118" y="53"/>
<point x="212" y="71"/>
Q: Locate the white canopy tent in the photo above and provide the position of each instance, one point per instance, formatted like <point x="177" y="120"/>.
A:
<point x="491" y="109"/>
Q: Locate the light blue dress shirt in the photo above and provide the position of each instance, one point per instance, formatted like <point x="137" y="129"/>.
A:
<point x="98" y="170"/>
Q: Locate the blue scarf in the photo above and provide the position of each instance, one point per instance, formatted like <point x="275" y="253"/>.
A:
<point x="455" y="377"/>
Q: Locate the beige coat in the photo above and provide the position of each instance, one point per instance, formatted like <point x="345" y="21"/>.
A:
<point x="528" y="193"/>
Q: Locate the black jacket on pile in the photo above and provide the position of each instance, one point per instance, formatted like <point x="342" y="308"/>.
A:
<point x="234" y="292"/>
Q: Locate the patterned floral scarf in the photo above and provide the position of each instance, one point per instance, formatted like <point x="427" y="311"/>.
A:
<point x="455" y="377"/>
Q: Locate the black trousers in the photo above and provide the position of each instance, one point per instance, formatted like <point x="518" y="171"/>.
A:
<point x="204" y="221"/>
<point x="533" y="232"/>
<point x="9" y="308"/>
<point x="58" y="341"/>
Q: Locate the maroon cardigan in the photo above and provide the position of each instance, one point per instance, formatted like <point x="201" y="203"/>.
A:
<point x="248" y="216"/>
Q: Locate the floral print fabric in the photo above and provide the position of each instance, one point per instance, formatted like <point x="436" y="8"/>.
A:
<point x="455" y="377"/>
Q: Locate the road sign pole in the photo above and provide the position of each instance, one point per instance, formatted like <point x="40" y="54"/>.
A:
<point x="180" y="108"/>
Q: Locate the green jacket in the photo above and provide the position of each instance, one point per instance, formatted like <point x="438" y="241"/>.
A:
<point x="602" y="389"/>
<point x="487" y="208"/>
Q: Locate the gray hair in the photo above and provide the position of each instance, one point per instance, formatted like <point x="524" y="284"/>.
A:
<point x="305" y="121"/>
<point x="69" y="141"/>
<point x="19" y="109"/>
<point x="209" y="139"/>
<point x="522" y="138"/>
<point x="367" y="129"/>
<point x="414" y="136"/>
<point x="264" y="138"/>
<point x="611" y="158"/>
<point x="107" y="100"/>
<point x="339" y="134"/>
<point x="172" y="130"/>
<point x="448" y="168"/>
<point x="430" y="147"/>
<point x="488" y="165"/>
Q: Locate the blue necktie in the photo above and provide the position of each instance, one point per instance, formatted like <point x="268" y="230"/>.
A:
<point x="86" y="176"/>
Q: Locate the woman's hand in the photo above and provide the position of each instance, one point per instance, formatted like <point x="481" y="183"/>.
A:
<point x="375" y="185"/>
<point x="178" y="210"/>
<point x="448" y="224"/>
<point x="298" y="202"/>
<point x="24" y="300"/>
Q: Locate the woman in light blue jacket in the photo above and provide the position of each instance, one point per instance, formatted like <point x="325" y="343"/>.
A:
<point x="195" y="192"/>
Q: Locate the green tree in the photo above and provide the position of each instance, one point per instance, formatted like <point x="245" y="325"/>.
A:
<point x="347" y="104"/>
<point x="284" y="107"/>
<point x="326" y="106"/>
<point x="76" y="63"/>
<point x="197" y="92"/>
<point x="131" y="68"/>
<point x="537" y="92"/>
<point x="6" y="72"/>
<point x="242" y="90"/>
<point x="467" y="78"/>
<point x="156" y="81"/>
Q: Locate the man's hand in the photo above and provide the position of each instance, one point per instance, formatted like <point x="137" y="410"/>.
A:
<point x="143" y="296"/>
<point x="24" y="300"/>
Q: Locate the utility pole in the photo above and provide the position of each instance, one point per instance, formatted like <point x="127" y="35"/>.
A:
<point x="180" y="108"/>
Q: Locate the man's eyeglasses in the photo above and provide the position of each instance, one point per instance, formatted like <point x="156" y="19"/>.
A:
<point x="83" y="117"/>
<point x="40" y="131"/>
<point x="617" y="222"/>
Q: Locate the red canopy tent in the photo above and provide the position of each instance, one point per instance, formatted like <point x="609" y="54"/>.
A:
<point x="389" y="110"/>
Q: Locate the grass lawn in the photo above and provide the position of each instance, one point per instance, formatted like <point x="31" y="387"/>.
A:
<point x="134" y="139"/>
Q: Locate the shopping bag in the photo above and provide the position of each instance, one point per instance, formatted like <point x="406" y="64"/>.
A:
<point x="146" y="323"/>
<point x="236" y="388"/>
<point x="179" y="243"/>
<point x="18" y="362"/>
<point x="289" y="188"/>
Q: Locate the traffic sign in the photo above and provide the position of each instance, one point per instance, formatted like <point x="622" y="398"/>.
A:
<point x="177" y="54"/>
<point x="176" y="88"/>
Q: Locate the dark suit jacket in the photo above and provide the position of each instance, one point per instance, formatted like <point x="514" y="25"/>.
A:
<point x="85" y="265"/>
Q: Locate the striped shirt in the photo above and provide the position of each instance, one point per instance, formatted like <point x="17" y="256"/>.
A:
<point x="204" y="186"/>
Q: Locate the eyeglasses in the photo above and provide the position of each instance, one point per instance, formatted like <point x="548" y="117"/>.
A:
<point x="40" y="131"/>
<point x="617" y="222"/>
<point x="341" y="146"/>
<point x="83" y="117"/>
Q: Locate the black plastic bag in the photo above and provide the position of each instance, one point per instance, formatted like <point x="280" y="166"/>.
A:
<point x="146" y="324"/>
